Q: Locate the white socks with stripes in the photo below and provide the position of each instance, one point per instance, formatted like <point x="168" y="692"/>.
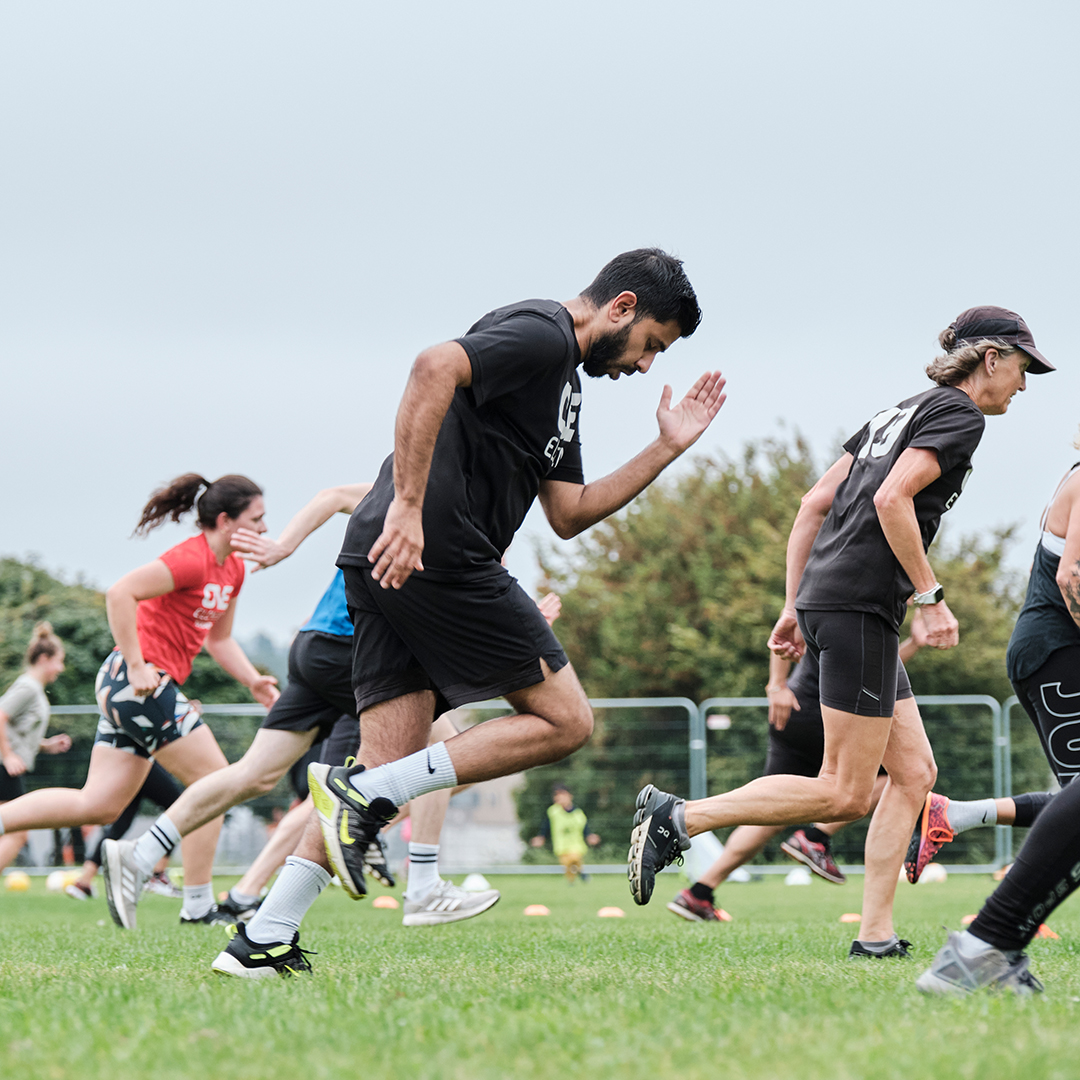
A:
<point x="423" y="870"/>
<point x="296" y="889"/>
<point x="408" y="777"/>
<point x="154" y="844"/>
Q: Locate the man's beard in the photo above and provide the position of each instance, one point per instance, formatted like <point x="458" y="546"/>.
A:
<point x="604" y="351"/>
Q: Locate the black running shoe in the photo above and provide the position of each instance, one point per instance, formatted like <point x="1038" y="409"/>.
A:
<point x="659" y="839"/>
<point x="898" y="950"/>
<point x="350" y="824"/>
<point x="216" y="916"/>
<point x="239" y="913"/>
<point x="375" y="861"/>
<point x="247" y="959"/>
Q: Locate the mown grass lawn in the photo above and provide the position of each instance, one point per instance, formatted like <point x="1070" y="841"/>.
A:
<point x="571" y="995"/>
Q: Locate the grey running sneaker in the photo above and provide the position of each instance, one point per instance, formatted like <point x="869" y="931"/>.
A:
<point x="123" y="881"/>
<point x="350" y="824"/>
<point x="954" y="973"/>
<point x="659" y="839"/>
<point x="246" y="959"/>
<point x="447" y="903"/>
<point x="899" y="949"/>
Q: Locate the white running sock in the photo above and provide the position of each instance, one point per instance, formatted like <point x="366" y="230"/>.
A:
<point x="243" y="899"/>
<point x="408" y="777"/>
<point x="296" y="889"/>
<point x="154" y="844"/>
<point x="423" y="870"/>
<point x="971" y="815"/>
<point x="972" y="946"/>
<point x="198" y="900"/>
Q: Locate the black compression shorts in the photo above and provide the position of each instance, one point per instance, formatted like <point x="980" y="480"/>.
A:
<point x="858" y="654"/>
<point x="468" y="640"/>
<point x="320" y="686"/>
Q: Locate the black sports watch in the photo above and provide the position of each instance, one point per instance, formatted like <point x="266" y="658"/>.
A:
<point x="931" y="596"/>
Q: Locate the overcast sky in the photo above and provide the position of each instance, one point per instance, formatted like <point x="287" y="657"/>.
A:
<point x="227" y="228"/>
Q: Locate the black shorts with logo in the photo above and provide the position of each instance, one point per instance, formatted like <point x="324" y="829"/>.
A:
<point x="468" y="638"/>
<point x="319" y="691"/>
<point x="858" y="654"/>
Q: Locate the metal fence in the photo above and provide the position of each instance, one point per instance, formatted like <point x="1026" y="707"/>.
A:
<point x="684" y="746"/>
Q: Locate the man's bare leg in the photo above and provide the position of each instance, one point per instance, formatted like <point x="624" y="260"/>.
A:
<point x="276" y="850"/>
<point x="271" y="754"/>
<point x="909" y="762"/>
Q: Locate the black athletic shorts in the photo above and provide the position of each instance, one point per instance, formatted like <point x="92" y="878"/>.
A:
<point x="858" y="654"/>
<point x="799" y="749"/>
<point x="319" y="688"/>
<point x="343" y="742"/>
<point x="11" y="787"/>
<point x="468" y="639"/>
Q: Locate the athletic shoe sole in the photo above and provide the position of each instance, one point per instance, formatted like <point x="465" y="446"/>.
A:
<point x="436" y="918"/>
<point x="227" y="964"/>
<point x="799" y="856"/>
<point x="327" y="807"/>
<point x="112" y="869"/>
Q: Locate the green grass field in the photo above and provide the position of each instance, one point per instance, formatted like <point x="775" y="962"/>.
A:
<point x="571" y="995"/>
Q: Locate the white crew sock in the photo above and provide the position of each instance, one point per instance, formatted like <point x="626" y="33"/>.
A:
<point x="296" y="889"/>
<point x="423" y="870"/>
<point x="408" y="777"/>
<point x="971" y="815"/>
<point x="198" y="900"/>
<point x="972" y="946"/>
<point x="154" y="844"/>
<point x="243" y="899"/>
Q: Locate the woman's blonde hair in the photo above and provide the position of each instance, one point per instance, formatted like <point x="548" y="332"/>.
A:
<point x="43" y="642"/>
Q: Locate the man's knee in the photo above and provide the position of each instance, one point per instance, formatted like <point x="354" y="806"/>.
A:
<point x="851" y="806"/>
<point x="575" y="727"/>
<point x="916" y="776"/>
<point x="253" y="778"/>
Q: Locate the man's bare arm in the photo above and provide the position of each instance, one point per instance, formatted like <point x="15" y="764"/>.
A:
<point x="436" y="373"/>
<point x="265" y="551"/>
<point x="572" y="508"/>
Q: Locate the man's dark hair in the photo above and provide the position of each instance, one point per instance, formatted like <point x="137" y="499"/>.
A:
<point x="657" y="279"/>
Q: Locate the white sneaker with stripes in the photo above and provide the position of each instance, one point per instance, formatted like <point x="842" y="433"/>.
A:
<point x="124" y="881"/>
<point x="447" y="903"/>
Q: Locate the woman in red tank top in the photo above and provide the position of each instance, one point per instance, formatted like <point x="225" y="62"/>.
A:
<point x="161" y="615"/>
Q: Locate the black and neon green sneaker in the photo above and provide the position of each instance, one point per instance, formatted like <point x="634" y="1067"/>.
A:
<point x="245" y="959"/>
<point x="350" y="824"/>
<point x="216" y="916"/>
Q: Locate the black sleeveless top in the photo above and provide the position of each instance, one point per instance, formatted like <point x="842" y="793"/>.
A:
<point x="1044" y="625"/>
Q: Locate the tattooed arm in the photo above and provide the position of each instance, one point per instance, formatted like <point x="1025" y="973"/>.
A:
<point x="1068" y="574"/>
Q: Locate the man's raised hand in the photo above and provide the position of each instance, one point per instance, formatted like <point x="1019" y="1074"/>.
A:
<point x="683" y="425"/>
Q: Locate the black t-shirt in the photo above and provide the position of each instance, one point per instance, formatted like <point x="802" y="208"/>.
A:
<point x="851" y="566"/>
<point x="517" y="424"/>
